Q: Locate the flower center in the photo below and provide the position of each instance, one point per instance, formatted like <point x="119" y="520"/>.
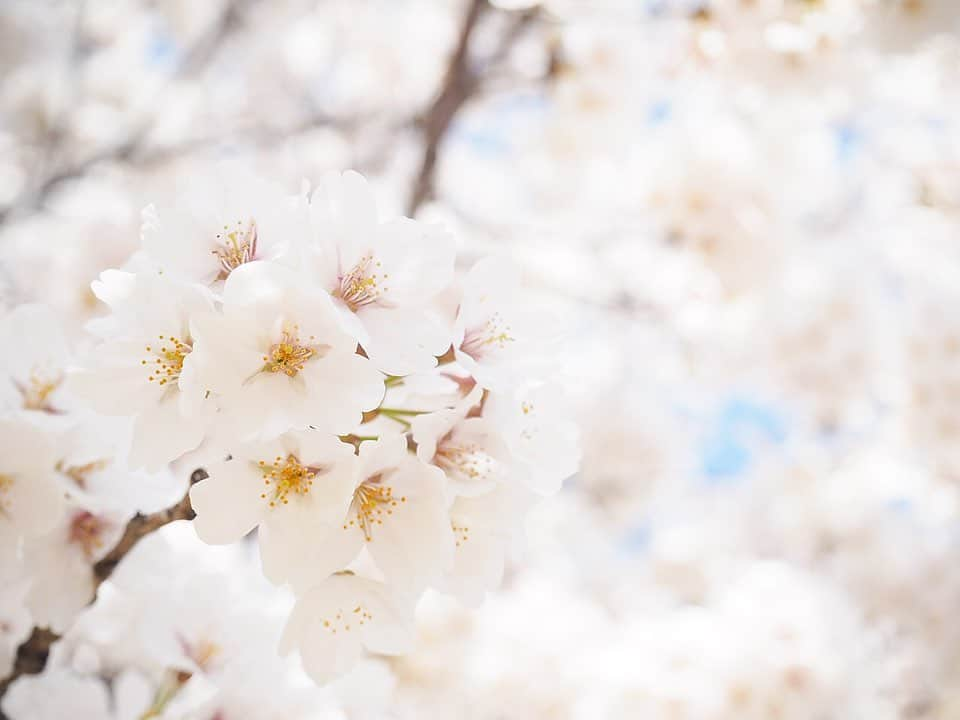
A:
<point x="286" y="477"/>
<point x="371" y="500"/>
<point x="494" y="334"/>
<point x="36" y="395"/>
<point x="363" y="285"/>
<point x="464" y="461"/>
<point x="165" y="361"/>
<point x="343" y="619"/>
<point x="80" y="474"/>
<point x="86" y="530"/>
<point x="289" y="355"/>
<point x="6" y="482"/>
<point x="461" y="533"/>
<point x="202" y="652"/>
<point x="236" y="246"/>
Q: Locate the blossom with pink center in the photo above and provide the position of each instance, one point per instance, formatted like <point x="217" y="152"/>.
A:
<point x="383" y="275"/>
<point x="221" y="223"/>
<point x="498" y="334"/>
<point x="275" y="358"/>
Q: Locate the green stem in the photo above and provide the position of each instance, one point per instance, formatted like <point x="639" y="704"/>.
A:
<point x="390" y="412"/>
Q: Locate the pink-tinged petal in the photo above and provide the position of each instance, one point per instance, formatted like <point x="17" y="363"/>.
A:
<point x="428" y="429"/>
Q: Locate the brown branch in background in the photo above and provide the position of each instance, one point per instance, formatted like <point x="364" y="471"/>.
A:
<point x="460" y="83"/>
<point x="196" y="58"/>
<point x="33" y="652"/>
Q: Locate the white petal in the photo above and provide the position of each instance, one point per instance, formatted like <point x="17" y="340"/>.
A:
<point x="403" y="341"/>
<point x="161" y="434"/>
<point x="228" y="502"/>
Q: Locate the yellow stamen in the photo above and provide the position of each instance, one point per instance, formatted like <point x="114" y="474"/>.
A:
<point x="164" y="362"/>
<point x="372" y="500"/>
<point x="494" y="334"/>
<point x="289" y="355"/>
<point x="236" y="247"/>
<point x="36" y="396"/>
<point x="363" y="285"/>
<point x="80" y="474"/>
<point x="286" y="477"/>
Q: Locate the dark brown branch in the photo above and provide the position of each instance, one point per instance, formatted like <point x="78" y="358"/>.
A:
<point x="139" y="527"/>
<point x="33" y="652"/>
<point x="460" y="83"/>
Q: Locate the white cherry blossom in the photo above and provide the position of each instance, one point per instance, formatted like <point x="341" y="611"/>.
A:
<point x="334" y="621"/>
<point x="382" y="275"/>
<point x="221" y="222"/>
<point x="466" y="446"/>
<point x="497" y="333"/>
<point x="61" y="564"/>
<point x="32" y="373"/>
<point x="276" y="359"/>
<point x="144" y="368"/>
<point x="541" y="436"/>
<point x="397" y="509"/>
<point x="484" y="527"/>
<point x="293" y="488"/>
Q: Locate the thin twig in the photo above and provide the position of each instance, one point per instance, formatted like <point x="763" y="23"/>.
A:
<point x="33" y="652"/>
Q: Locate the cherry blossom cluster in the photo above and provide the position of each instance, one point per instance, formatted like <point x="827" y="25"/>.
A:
<point x="381" y="422"/>
<point x="185" y="632"/>
<point x="67" y="489"/>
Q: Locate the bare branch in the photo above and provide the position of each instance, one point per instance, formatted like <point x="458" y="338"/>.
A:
<point x="460" y="83"/>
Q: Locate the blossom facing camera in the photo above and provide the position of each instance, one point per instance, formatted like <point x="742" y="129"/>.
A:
<point x="334" y="621"/>
<point x="144" y="366"/>
<point x="383" y="276"/>
<point x="275" y="358"/>
<point x="293" y="488"/>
